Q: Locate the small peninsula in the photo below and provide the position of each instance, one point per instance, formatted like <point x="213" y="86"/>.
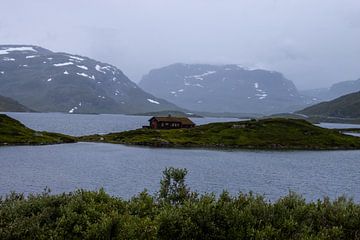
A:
<point x="12" y="132"/>
<point x="267" y="134"/>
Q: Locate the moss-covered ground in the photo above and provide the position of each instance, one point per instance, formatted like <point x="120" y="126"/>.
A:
<point x="12" y="132"/>
<point x="277" y="133"/>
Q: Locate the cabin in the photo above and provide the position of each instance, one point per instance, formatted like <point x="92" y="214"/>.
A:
<point x="170" y="122"/>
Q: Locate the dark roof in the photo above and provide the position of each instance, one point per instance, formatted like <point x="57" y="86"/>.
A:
<point x="182" y="120"/>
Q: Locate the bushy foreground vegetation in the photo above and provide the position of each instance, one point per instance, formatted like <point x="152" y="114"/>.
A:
<point x="273" y="133"/>
<point x="175" y="213"/>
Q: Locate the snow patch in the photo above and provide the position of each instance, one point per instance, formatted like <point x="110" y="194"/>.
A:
<point x="63" y="64"/>
<point x="32" y="56"/>
<point x="201" y="76"/>
<point x="72" y="110"/>
<point x="2" y="72"/>
<point x="99" y="69"/>
<point x="11" y="49"/>
<point x="49" y="80"/>
<point x="75" y="108"/>
<point x="82" y="67"/>
<point x="8" y="59"/>
<point x="66" y="72"/>
<point x="76" y="58"/>
<point x="153" y="101"/>
<point x="85" y="75"/>
<point x="261" y="94"/>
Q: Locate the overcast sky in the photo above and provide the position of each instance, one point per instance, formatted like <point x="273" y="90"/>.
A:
<point x="313" y="42"/>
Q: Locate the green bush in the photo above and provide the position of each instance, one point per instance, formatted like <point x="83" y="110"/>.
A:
<point x="175" y="213"/>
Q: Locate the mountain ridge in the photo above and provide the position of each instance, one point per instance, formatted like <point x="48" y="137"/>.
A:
<point x="223" y="88"/>
<point x="61" y="82"/>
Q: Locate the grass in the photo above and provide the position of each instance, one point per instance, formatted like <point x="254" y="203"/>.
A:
<point x="12" y="132"/>
<point x="277" y="133"/>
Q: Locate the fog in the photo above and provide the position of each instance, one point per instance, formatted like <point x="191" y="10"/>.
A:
<point x="313" y="43"/>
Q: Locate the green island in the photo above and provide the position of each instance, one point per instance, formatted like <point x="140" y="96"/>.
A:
<point x="175" y="212"/>
<point x="12" y="132"/>
<point x="267" y="134"/>
<point x="272" y="134"/>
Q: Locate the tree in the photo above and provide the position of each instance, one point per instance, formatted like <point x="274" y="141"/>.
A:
<point x="173" y="189"/>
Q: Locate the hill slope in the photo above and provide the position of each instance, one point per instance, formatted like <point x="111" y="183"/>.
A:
<point x="12" y="132"/>
<point x="223" y="88"/>
<point x="60" y="82"/>
<point x="347" y="106"/>
<point x="10" y="105"/>
<point x="262" y="134"/>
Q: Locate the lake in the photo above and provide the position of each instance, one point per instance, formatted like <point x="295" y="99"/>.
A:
<point x="125" y="171"/>
<point x="87" y="124"/>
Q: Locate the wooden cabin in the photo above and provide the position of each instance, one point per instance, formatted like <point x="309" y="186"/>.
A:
<point x="170" y="122"/>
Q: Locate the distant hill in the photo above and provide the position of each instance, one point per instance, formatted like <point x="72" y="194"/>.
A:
<point x="347" y="106"/>
<point x="335" y="91"/>
<point x="60" y="82"/>
<point x="10" y="105"/>
<point x="223" y="88"/>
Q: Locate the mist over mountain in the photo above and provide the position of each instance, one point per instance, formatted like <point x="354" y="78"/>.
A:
<point x="223" y="88"/>
<point x="60" y="82"/>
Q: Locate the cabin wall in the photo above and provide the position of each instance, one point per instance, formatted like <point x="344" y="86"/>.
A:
<point x="154" y="124"/>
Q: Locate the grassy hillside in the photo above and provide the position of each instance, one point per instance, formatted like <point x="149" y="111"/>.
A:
<point x="261" y="134"/>
<point x="12" y="132"/>
<point x="10" y="105"/>
<point x="347" y="106"/>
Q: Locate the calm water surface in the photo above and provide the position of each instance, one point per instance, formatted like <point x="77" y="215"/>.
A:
<point x="125" y="171"/>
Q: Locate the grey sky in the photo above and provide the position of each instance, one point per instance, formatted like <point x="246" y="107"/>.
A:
<point x="313" y="42"/>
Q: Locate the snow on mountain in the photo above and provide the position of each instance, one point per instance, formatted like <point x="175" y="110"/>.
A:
<point x="62" y="82"/>
<point x="223" y="88"/>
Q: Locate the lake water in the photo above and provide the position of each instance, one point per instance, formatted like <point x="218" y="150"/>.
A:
<point x="125" y="171"/>
<point x="84" y="124"/>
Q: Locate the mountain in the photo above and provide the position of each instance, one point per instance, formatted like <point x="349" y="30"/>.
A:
<point x="60" y="82"/>
<point x="10" y="105"/>
<point x="335" y="91"/>
<point x="223" y="88"/>
<point x="347" y="106"/>
<point x="342" y="88"/>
